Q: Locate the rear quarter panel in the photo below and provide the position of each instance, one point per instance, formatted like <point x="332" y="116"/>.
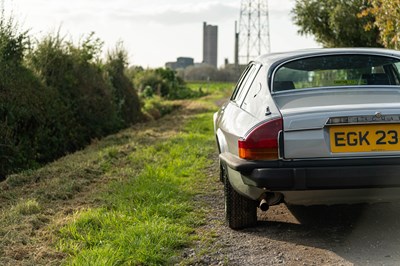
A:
<point x="236" y="119"/>
<point x="233" y="123"/>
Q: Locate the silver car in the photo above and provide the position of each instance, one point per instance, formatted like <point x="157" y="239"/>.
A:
<point x="311" y="127"/>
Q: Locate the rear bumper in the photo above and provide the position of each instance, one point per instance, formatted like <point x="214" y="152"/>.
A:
<point x="317" y="174"/>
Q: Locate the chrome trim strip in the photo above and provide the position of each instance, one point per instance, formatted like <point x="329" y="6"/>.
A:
<point x="378" y="118"/>
<point x="303" y="129"/>
<point x="327" y="123"/>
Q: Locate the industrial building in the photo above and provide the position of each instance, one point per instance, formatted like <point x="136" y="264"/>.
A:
<point x="181" y="63"/>
<point x="210" y="44"/>
<point x="210" y="50"/>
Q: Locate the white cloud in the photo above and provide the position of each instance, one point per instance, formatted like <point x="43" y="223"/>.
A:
<point x="154" y="31"/>
<point x="177" y="15"/>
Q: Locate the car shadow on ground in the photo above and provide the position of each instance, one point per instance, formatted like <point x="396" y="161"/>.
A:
<point x="360" y="234"/>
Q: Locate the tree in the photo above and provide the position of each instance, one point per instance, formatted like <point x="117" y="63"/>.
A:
<point x="387" y="21"/>
<point x="336" y="23"/>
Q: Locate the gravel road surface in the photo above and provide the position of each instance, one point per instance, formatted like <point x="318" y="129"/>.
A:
<point x="317" y="235"/>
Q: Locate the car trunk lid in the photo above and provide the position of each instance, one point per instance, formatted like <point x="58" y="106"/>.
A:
<point x="317" y="122"/>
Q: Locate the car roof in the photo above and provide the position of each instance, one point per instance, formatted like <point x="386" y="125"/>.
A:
<point x="269" y="59"/>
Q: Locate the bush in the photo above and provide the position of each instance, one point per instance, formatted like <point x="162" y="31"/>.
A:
<point x="23" y="110"/>
<point x="146" y="79"/>
<point x="162" y="82"/>
<point x="85" y="98"/>
<point x="22" y="101"/>
<point x="58" y="97"/>
<point x="73" y="71"/>
<point x="155" y="107"/>
<point x="125" y="97"/>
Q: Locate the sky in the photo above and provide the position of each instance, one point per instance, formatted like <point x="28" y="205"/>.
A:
<point x="153" y="31"/>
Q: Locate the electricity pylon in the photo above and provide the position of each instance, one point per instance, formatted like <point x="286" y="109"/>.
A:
<point x="253" y="30"/>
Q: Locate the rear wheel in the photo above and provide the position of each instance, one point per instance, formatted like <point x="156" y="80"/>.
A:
<point x="221" y="173"/>
<point x="240" y="212"/>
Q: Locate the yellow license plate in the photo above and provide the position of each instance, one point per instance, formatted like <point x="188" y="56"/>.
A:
<point x="365" y="138"/>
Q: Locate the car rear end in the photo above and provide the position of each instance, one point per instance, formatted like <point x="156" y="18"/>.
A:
<point x="336" y="138"/>
<point x="349" y="150"/>
<point x="341" y="128"/>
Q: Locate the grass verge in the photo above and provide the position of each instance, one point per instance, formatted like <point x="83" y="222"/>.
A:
<point x="145" y="219"/>
<point x="125" y="200"/>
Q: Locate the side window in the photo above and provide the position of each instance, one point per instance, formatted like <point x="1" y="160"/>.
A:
<point x="244" y="83"/>
<point x="396" y="73"/>
<point x="242" y="77"/>
<point x="254" y="103"/>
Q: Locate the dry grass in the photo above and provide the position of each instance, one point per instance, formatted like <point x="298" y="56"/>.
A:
<point x="36" y="204"/>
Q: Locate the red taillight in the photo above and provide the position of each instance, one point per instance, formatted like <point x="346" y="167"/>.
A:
<point x="262" y="142"/>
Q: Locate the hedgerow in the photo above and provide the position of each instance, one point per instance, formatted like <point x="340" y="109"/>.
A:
<point x="124" y="95"/>
<point x="55" y="97"/>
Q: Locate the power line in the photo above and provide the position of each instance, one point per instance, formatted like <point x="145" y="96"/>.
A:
<point x="253" y="30"/>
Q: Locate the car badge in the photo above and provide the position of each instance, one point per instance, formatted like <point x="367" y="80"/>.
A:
<point x="378" y="114"/>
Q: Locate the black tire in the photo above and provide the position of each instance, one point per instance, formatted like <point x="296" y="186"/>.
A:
<point x="221" y="173"/>
<point x="240" y="212"/>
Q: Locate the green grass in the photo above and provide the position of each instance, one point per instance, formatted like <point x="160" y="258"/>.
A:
<point x="27" y="207"/>
<point x="156" y="107"/>
<point x="212" y="87"/>
<point x="128" y="199"/>
<point x="148" y="218"/>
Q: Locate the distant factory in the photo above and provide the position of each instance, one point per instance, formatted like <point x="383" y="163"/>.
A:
<point x="210" y="44"/>
<point x="210" y="50"/>
<point x="181" y="63"/>
<point x="251" y="38"/>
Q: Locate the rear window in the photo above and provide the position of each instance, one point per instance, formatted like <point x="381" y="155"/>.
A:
<point x="337" y="71"/>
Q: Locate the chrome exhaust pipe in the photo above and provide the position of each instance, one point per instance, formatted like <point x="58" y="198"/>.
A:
<point x="269" y="199"/>
<point x="264" y="205"/>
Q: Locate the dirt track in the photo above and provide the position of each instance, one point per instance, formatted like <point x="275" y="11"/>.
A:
<point x="336" y="235"/>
